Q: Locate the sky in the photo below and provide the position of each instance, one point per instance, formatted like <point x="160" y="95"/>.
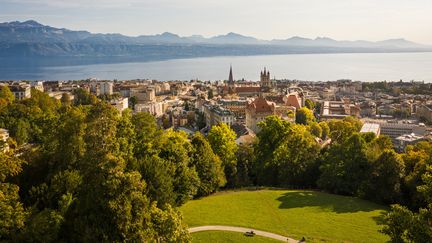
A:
<point x="372" y="20"/>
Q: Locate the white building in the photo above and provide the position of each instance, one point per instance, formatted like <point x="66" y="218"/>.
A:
<point x="106" y="88"/>
<point x="120" y="104"/>
<point x="38" y="85"/>
<point x="20" y="91"/>
<point x="154" y="108"/>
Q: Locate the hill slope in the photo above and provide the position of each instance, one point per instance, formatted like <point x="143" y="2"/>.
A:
<point x="314" y="215"/>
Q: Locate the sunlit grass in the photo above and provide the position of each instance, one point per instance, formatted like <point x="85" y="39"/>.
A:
<point x="314" y="215"/>
<point x="227" y="237"/>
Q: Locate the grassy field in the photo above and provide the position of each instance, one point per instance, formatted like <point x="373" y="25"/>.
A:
<point x="314" y="215"/>
<point x="227" y="237"/>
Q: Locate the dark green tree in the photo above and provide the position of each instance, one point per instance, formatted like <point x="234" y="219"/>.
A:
<point x="208" y="166"/>
<point x="304" y="116"/>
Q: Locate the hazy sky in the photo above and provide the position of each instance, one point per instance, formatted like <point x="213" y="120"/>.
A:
<point x="265" y="19"/>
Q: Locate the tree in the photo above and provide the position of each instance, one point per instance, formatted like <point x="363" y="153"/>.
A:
<point x="200" y="120"/>
<point x="384" y="184"/>
<point x="346" y="168"/>
<point x="325" y="130"/>
<point x="133" y="101"/>
<point x="175" y="148"/>
<point x="168" y="225"/>
<point x="315" y="129"/>
<point x="222" y="140"/>
<point x="83" y="97"/>
<point x="159" y="174"/>
<point x="146" y="131"/>
<point x="245" y="162"/>
<point x="341" y="130"/>
<point x="208" y="166"/>
<point x="403" y="225"/>
<point x="304" y="116"/>
<point x="6" y="94"/>
<point x="310" y="104"/>
<point x="22" y="135"/>
<point x="65" y="99"/>
<point x="12" y="212"/>
<point x="295" y="159"/>
<point x="273" y="132"/>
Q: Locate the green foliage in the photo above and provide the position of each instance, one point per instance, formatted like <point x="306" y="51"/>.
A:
<point x="200" y="120"/>
<point x="295" y="158"/>
<point x="6" y="95"/>
<point x="66" y="99"/>
<point x="175" y="148"/>
<point x="310" y="104"/>
<point x="304" y="116"/>
<point x="286" y="154"/>
<point x="384" y="183"/>
<point x="245" y="164"/>
<point x="146" y="132"/>
<point x="83" y="97"/>
<point x="325" y="130"/>
<point x="273" y="133"/>
<point x="340" y="130"/>
<point x="316" y="130"/>
<point x="12" y="212"/>
<point x="222" y="140"/>
<point x="168" y="225"/>
<point x="208" y="166"/>
<point x="22" y="135"/>
<point x="403" y="225"/>
<point x="345" y="167"/>
<point x="159" y="175"/>
<point x="84" y="177"/>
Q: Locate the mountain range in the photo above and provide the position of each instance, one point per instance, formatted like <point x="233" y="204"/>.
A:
<point x="32" y="39"/>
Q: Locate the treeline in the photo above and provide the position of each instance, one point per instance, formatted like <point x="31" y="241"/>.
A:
<point x="84" y="172"/>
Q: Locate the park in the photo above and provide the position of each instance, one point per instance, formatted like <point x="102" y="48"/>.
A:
<point x="317" y="216"/>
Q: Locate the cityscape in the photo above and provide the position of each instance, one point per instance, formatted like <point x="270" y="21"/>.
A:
<point x="216" y="121"/>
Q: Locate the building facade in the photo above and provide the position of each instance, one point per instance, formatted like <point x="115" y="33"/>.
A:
<point x="257" y="110"/>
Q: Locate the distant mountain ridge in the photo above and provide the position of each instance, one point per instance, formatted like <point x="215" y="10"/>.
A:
<point x="30" y="38"/>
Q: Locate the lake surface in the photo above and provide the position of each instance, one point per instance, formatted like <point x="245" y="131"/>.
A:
<point x="314" y="67"/>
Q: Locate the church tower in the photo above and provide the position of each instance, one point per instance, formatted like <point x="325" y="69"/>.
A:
<point x="265" y="79"/>
<point x="231" y="84"/>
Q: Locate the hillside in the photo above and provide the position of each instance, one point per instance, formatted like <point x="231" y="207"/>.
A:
<point x="314" y="215"/>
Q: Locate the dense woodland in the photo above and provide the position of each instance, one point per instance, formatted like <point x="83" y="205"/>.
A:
<point x="80" y="171"/>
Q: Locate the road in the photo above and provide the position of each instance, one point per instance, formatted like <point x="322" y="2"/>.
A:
<point x="242" y="230"/>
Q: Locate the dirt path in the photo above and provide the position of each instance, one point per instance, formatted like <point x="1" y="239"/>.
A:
<point x="241" y="230"/>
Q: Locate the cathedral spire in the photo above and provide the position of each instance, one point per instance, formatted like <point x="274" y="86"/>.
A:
<point x="230" y="79"/>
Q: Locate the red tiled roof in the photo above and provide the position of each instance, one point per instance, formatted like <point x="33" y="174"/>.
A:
<point x="260" y="104"/>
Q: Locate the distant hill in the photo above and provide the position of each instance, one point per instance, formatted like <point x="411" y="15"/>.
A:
<point x="32" y="39"/>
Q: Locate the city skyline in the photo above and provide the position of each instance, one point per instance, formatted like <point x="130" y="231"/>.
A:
<point x="277" y="19"/>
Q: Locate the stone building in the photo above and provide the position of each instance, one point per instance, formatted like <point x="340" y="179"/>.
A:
<point x="257" y="111"/>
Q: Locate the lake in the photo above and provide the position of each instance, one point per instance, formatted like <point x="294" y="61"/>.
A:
<point x="314" y="67"/>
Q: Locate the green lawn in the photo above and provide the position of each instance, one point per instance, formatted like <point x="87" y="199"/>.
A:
<point x="317" y="216"/>
<point x="227" y="237"/>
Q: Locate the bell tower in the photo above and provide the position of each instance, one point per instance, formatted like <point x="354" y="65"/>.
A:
<point x="265" y="79"/>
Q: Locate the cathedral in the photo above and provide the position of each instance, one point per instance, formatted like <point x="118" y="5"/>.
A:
<point x="247" y="89"/>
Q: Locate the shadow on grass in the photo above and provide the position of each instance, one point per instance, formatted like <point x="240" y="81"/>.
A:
<point x="326" y="202"/>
